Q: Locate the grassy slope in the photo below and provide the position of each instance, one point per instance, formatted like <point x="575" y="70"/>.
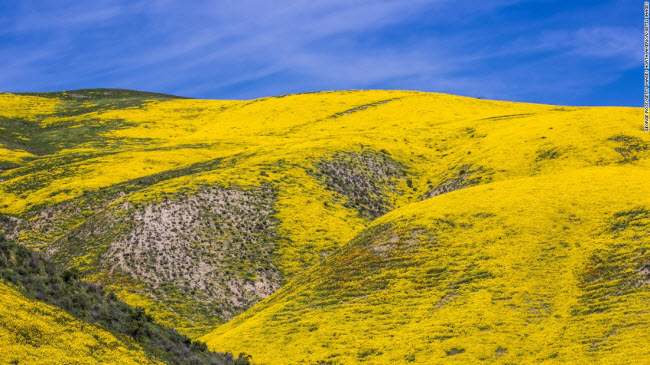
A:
<point x="550" y="269"/>
<point x="46" y="307"/>
<point x="333" y="161"/>
<point x="35" y="333"/>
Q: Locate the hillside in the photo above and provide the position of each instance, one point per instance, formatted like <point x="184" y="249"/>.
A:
<point x="197" y="210"/>
<point x="50" y="316"/>
<point x="550" y="269"/>
<point x="35" y="333"/>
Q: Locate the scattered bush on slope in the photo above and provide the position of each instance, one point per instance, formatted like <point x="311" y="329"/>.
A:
<point x="366" y="180"/>
<point x="38" y="279"/>
<point x="32" y="332"/>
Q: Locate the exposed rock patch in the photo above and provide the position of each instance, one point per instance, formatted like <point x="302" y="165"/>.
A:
<point x="216" y="246"/>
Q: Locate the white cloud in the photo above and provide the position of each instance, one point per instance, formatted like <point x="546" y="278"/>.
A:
<point x="253" y="48"/>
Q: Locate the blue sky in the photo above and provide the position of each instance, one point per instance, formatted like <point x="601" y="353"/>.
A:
<point x="546" y="51"/>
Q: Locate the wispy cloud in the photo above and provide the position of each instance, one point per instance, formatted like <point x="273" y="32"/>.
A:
<point x="501" y="49"/>
<point x="61" y="18"/>
<point x="609" y="42"/>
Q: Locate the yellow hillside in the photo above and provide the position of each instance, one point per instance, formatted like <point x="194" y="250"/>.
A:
<point x="551" y="269"/>
<point x="267" y="188"/>
<point x="35" y="333"/>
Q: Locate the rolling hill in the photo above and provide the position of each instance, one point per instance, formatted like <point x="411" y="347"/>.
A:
<point x="340" y="226"/>
<point x="549" y="269"/>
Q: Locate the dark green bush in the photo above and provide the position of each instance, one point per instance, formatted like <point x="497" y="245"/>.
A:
<point x="42" y="280"/>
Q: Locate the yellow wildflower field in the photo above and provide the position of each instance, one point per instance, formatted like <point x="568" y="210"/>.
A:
<point x="32" y="332"/>
<point x="392" y="222"/>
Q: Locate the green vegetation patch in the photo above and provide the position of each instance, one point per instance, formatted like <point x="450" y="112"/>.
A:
<point x="30" y="136"/>
<point x="629" y="147"/>
<point x="366" y="265"/>
<point x="638" y="217"/>
<point x="605" y="279"/>
<point x="21" y="134"/>
<point x="98" y="94"/>
<point x="362" y="107"/>
<point x="548" y="154"/>
<point x="39" y="279"/>
<point x="365" y="179"/>
<point x="463" y="177"/>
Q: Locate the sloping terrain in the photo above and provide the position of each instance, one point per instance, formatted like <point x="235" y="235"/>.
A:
<point x="550" y="269"/>
<point x="50" y="316"/>
<point x="196" y="210"/>
<point x="35" y="333"/>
